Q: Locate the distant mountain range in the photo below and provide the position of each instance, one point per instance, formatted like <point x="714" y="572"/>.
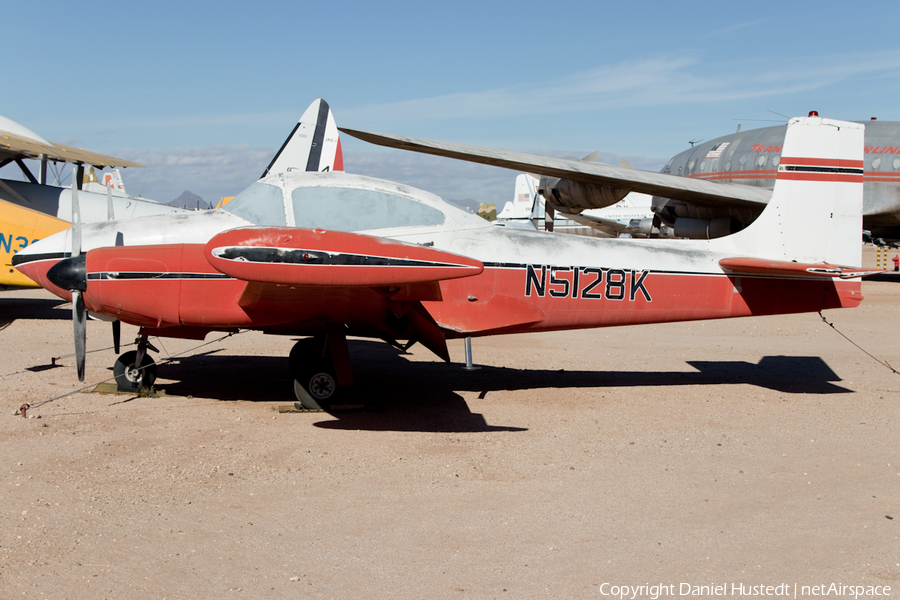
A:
<point x="190" y="201"/>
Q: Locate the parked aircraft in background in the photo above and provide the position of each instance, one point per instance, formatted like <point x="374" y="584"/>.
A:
<point x="111" y="180"/>
<point x="710" y="190"/>
<point x="328" y="255"/>
<point x="752" y="157"/>
<point x="631" y="217"/>
<point x="31" y="210"/>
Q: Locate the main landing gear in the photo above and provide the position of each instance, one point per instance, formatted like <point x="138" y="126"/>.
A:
<point x="136" y="369"/>
<point x="321" y="369"/>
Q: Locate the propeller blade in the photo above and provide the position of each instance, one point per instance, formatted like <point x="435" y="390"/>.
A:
<point x="117" y="334"/>
<point x="79" y="313"/>
<point x="79" y="320"/>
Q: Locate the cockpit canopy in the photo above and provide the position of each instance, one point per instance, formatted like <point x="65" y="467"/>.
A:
<point x="343" y="202"/>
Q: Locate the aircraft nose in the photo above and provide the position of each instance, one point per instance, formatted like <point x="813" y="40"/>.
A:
<point x="70" y="274"/>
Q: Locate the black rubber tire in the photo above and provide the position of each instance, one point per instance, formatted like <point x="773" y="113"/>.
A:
<point x="318" y="390"/>
<point x="130" y="380"/>
<point x="315" y="380"/>
<point x="305" y="352"/>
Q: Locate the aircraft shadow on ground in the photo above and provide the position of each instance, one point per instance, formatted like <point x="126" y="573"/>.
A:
<point x="400" y="395"/>
<point x="12" y="309"/>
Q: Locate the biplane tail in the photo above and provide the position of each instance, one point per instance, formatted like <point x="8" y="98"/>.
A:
<point x="111" y="179"/>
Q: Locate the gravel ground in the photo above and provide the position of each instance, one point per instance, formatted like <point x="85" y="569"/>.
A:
<point x="749" y="451"/>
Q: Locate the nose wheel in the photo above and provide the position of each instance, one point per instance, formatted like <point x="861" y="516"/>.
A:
<point x="136" y="369"/>
<point x="131" y="378"/>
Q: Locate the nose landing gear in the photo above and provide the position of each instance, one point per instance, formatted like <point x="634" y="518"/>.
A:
<point x="136" y="369"/>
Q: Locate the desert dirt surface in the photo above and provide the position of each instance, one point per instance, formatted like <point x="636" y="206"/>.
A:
<point x="739" y="452"/>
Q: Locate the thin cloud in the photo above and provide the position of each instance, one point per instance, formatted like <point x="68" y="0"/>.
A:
<point x="211" y="172"/>
<point x="652" y="82"/>
<point x="731" y="29"/>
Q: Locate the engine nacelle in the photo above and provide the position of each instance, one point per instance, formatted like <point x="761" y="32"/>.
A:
<point x="641" y="226"/>
<point x="566" y="194"/>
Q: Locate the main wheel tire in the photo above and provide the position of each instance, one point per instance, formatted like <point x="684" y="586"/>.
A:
<point x="129" y="379"/>
<point x="304" y="353"/>
<point x="317" y="390"/>
<point x="315" y="381"/>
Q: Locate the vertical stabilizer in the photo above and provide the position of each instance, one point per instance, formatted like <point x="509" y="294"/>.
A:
<point x="313" y="145"/>
<point x="523" y="203"/>
<point x="815" y="214"/>
<point x="111" y="180"/>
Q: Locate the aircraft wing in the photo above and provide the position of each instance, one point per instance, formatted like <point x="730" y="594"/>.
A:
<point x="14" y="146"/>
<point x="289" y="269"/>
<point x="647" y="182"/>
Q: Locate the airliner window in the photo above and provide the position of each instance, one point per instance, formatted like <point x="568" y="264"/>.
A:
<point x="897" y="163"/>
<point x="776" y="161"/>
<point x="261" y="204"/>
<point x="876" y="163"/>
<point x="353" y="209"/>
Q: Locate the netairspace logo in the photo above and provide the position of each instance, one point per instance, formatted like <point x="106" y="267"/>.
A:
<point x="780" y="590"/>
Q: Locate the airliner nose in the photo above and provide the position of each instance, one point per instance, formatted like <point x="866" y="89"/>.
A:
<point x="70" y="274"/>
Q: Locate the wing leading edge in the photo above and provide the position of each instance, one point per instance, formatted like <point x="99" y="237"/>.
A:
<point x="657" y="184"/>
<point x="14" y="146"/>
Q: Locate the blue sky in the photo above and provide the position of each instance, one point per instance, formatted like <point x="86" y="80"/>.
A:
<point x="205" y="92"/>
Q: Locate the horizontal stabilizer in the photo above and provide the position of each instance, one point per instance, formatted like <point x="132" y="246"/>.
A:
<point x="759" y="266"/>
<point x="330" y="258"/>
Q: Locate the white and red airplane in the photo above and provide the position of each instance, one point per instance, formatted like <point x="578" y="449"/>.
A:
<point x="327" y="255"/>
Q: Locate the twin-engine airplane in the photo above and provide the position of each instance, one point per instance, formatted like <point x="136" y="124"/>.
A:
<point x="327" y="255"/>
<point x="33" y="209"/>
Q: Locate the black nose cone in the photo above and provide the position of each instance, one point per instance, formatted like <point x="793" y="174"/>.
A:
<point x="69" y="274"/>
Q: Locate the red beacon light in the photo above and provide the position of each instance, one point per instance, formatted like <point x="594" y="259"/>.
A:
<point x="814" y="113"/>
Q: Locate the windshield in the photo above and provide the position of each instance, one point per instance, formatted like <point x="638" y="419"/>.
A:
<point x="355" y="209"/>
<point x="261" y="204"/>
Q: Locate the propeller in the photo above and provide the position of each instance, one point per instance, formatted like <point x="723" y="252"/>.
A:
<point x="71" y="274"/>
<point x="111" y="216"/>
